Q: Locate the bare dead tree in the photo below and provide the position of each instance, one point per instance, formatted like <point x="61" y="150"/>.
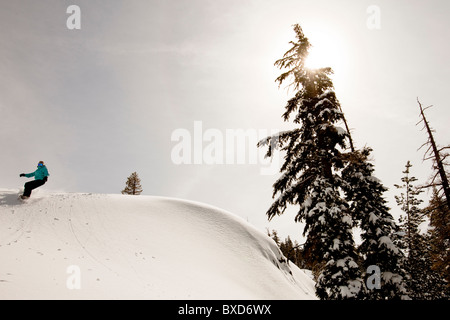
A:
<point x="438" y="155"/>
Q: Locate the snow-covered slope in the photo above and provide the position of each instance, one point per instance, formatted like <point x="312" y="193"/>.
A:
<point x="92" y="246"/>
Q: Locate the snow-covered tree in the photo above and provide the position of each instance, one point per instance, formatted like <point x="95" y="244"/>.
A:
<point x="409" y="203"/>
<point x="423" y="282"/>
<point x="133" y="185"/>
<point x="310" y="176"/>
<point x="365" y="193"/>
<point x="328" y="219"/>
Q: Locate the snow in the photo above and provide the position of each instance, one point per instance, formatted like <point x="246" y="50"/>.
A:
<point x="387" y="242"/>
<point x="372" y="217"/>
<point x="340" y="131"/>
<point x="326" y="93"/>
<point x="373" y="179"/>
<point x="98" y="246"/>
<point x="391" y="277"/>
<point x="346" y="219"/>
<point x="336" y="244"/>
<point x="308" y="202"/>
<point x="352" y="290"/>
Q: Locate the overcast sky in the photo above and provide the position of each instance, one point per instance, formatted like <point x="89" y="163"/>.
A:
<point x="103" y="101"/>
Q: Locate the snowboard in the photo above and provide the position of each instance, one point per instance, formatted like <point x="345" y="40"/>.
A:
<point x="19" y="195"/>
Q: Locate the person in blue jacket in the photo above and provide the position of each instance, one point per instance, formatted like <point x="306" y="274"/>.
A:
<point x="40" y="178"/>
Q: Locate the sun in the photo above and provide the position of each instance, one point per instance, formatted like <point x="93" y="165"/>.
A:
<point x="326" y="50"/>
<point x="318" y="59"/>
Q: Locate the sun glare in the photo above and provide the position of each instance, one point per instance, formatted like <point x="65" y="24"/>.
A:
<point x="326" y="51"/>
<point x="318" y="59"/>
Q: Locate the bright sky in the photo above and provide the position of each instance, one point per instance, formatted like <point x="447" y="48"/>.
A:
<point x="103" y="101"/>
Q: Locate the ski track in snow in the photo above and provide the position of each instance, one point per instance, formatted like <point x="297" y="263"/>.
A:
<point x="144" y="247"/>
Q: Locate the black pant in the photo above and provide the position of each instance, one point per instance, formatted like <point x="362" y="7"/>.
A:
<point x="30" y="185"/>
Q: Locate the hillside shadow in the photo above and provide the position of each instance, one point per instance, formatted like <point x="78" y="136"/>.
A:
<point x="10" y="199"/>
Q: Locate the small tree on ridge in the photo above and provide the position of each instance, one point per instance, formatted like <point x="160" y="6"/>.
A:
<point x="133" y="185"/>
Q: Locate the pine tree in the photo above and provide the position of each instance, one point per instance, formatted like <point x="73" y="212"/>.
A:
<point x="274" y="236"/>
<point x="292" y="250"/>
<point x="439" y="237"/>
<point x="309" y="174"/>
<point x="133" y="185"/>
<point x="365" y="193"/>
<point x="423" y="282"/>
<point x="409" y="203"/>
<point x="411" y="240"/>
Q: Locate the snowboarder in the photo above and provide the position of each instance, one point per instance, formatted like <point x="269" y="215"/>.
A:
<point x="40" y="178"/>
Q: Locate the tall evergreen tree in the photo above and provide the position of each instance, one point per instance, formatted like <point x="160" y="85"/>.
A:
<point x="423" y="282"/>
<point x="133" y="185"/>
<point x="409" y="202"/>
<point x="309" y="174"/>
<point x="368" y="207"/>
<point x="439" y="237"/>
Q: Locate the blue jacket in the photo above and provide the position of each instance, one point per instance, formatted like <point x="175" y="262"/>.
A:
<point x="39" y="174"/>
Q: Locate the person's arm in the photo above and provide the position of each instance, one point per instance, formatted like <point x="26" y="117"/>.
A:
<point x="29" y="175"/>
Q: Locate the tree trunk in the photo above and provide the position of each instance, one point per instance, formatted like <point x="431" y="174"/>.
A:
<point x="437" y="157"/>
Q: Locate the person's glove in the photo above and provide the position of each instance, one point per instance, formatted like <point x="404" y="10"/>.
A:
<point x="45" y="179"/>
<point x="22" y="175"/>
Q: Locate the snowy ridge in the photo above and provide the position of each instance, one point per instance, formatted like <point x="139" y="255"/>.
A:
<point x="137" y="247"/>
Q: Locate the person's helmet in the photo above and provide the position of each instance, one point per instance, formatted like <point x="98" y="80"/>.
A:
<point x="41" y="163"/>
